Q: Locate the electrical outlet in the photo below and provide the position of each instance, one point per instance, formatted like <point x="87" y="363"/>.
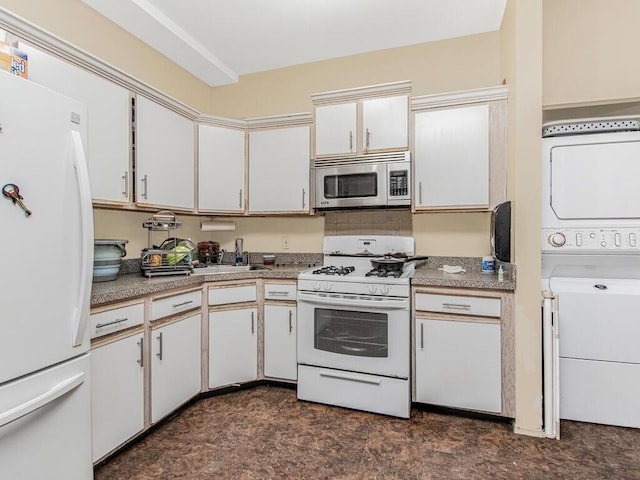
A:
<point x="285" y="243"/>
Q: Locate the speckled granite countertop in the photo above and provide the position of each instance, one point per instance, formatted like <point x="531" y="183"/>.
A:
<point x="432" y="277"/>
<point x="428" y="274"/>
<point x="133" y="285"/>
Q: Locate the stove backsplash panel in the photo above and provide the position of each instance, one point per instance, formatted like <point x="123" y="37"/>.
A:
<point x="372" y="222"/>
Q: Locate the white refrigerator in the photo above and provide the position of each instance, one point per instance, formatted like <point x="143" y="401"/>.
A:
<point x="45" y="285"/>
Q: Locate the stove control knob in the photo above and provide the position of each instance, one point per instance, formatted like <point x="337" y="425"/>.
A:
<point x="316" y="286"/>
<point x="617" y="239"/>
<point x="327" y="287"/>
<point x="372" y="289"/>
<point x="632" y="239"/>
<point x="384" y="290"/>
<point x="557" y="239"/>
<point x="578" y="239"/>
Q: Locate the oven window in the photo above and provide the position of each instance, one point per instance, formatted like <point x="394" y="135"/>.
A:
<point x="352" y="185"/>
<point x="360" y="334"/>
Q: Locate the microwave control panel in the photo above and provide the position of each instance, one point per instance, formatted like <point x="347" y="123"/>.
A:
<point x="398" y="183"/>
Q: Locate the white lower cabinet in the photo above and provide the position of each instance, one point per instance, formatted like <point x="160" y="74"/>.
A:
<point x="233" y="346"/>
<point x="117" y="393"/>
<point x="280" y="322"/>
<point x="458" y="364"/>
<point x="175" y="365"/>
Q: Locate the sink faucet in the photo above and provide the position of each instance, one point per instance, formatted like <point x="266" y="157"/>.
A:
<point x="220" y="256"/>
<point x="239" y="250"/>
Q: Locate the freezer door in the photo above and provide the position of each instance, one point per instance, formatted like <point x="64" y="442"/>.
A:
<point x="45" y="424"/>
<point x="46" y="256"/>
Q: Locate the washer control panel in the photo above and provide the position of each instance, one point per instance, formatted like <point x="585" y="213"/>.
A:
<point x="601" y="240"/>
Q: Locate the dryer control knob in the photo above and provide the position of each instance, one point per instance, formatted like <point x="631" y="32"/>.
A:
<point x="557" y="239"/>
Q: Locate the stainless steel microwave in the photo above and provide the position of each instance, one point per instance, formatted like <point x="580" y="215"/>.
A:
<point x="380" y="181"/>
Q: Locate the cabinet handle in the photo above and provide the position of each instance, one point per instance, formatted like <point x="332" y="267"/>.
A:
<point x="117" y="320"/>
<point x="176" y="305"/>
<point x="125" y="179"/>
<point x="351" y="140"/>
<point x="145" y="180"/>
<point x="159" y="354"/>
<point x="422" y="336"/>
<point x="141" y="359"/>
<point x="304" y="198"/>
<point x="420" y="193"/>
<point x="278" y="294"/>
<point x="252" y="324"/>
<point x="240" y="200"/>
<point x="290" y="321"/>
<point x="460" y="306"/>
<point x="367" y="137"/>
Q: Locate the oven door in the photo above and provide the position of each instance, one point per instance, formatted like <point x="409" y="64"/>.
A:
<point x="351" y="186"/>
<point x="356" y="333"/>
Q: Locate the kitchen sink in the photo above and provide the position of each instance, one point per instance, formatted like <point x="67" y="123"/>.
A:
<point x="213" y="269"/>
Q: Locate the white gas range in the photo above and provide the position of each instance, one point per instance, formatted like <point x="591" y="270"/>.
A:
<point x="354" y="325"/>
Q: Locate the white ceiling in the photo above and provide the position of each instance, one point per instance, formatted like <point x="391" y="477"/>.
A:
<point x="218" y="40"/>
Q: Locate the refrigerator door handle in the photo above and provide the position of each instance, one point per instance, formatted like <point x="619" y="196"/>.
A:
<point x="40" y="401"/>
<point x="86" y="212"/>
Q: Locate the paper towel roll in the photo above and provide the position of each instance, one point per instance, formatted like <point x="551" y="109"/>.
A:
<point x="217" y="226"/>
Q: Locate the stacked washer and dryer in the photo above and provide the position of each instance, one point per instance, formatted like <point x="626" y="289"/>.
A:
<point x="591" y="272"/>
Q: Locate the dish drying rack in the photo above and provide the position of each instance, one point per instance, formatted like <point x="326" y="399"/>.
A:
<point x="164" y="261"/>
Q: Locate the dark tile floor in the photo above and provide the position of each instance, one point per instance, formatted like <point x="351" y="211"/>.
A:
<point x="265" y="433"/>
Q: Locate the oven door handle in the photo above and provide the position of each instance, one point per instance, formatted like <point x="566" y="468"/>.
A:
<point x="400" y="303"/>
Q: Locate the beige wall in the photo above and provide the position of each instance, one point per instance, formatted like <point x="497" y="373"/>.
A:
<point x="259" y="234"/>
<point x="80" y="25"/>
<point x="522" y="67"/>
<point x="590" y="51"/>
<point x="446" y="66"/>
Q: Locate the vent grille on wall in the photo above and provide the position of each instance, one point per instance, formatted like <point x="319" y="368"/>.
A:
<point x="591" y="125"/>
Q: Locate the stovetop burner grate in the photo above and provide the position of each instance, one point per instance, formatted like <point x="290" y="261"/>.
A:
<point x="384" y="272"/>
<point x="334" y="270"/>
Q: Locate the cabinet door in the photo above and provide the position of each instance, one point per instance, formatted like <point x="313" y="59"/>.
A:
<point x="458" y="364"/>
<point x="175" y="365"/>
<point x="336" y="129"/>
<point x="279" y="166"/>
<point x="233" y="346"/>
<point x="108" y="134"/>
<point x="280" y="359"/>
<point x="385" y="123"/>
<point x="452" y="157"/>
<point x="164" y="157"/>
<point x="117" y="393"/>
<point x="220" y="169"/>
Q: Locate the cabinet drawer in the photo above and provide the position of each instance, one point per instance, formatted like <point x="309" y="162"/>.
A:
<point x="280" y="291"/>
<point x="220" y="296"/>
<point x="479" y="306"/>
<point x="116" y="319"/>
<point x="163" y="307"/>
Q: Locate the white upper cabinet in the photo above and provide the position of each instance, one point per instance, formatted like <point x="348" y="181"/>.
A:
<point x="362" y="120"/>
<point x="108" y="143"/>
<point x="279" y="163"/>
<point x="385" y="124"/>
<point x="452" y="157"/>
<point x="336" y="129"/>
<point x="460" y="150"/>
<point x="221" y="169"/>
<point x="165" y="167"/>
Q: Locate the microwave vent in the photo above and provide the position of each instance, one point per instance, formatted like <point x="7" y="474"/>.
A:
<point x="359" y="160"/>
<point x="591" y="125"/>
